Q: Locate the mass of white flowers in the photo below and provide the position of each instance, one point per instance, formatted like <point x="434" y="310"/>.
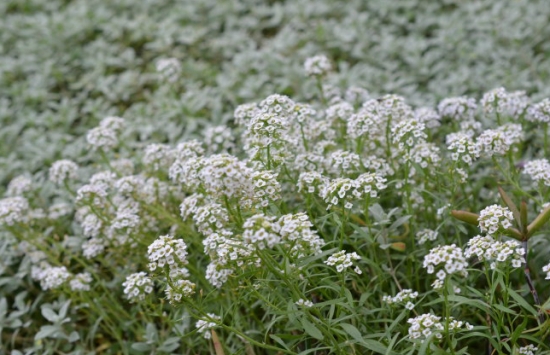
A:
<point x="494" y="219"/>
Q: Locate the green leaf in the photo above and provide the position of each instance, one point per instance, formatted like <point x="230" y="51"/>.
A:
<point x="512" y="206"/>
<point x="49" y="314"/>
<point x="311" y="329"/>
<point x="352" y="331"/>
<point x="47" y="331"/>
<point x="141" y="347"/>
<point x="522" y="302"/>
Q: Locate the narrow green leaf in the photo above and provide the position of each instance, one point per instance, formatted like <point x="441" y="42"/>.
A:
<point x="522" y="302"/>
<point x="511" y="205"/>
<point x="352" y="331"/>
<point x="311" y="329"/>
<point x="537" y="224"/>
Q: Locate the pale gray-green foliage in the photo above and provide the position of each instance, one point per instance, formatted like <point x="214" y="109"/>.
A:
<point x="66" y="64"/>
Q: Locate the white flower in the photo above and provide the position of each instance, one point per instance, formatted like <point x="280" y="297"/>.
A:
<point x="318" y="65"/>
<point x="528" y="350"/>
<point x="81" y="282"/>
<point x="304" y="303"/>
<point x="137" y="286"/>
<point x="14" y="210"/>
<point x="206" y="324"/>
<point x="342" y="260"/>
<point x="62" y="170"/>
<point x="495" y="218"/>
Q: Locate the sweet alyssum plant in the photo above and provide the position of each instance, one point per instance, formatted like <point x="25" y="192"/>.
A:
<point x="303" y="228"/>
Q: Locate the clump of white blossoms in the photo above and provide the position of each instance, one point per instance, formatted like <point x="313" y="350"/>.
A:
<point x="405" y="297"/>
<point x="425" y="235"/>
<point x="428" y="116"/>
<point x="528" y="350"/>
<point x="343" y="192"/>
<point x="158" y="156"/>
<point x="318" y="65"/>
<point x="52" y="277"/>
<point x="538" y="170"/>
<point x="343" y="260"/>
<point x="19" y="185"/>
<point x="169" y="256"/>
<point x="546" y="269"/>
<point x="485" y="248"/>
<point x="449" y="259"/>
<point x="105" y="136"/>
<point x="408" y="133"/>
<point x="539" y="112"/>
<point x="81" y="282"/>
<point x="304" y="303"/>
<point x="14" y="210"/>
<point x="500" y="101"/>
<point x="458" y="108"/>
<point x="428" y="324"/>
<point x="167" y="252"/>
<point x="169" y="69"/>
<point x="499" y="141"/>
<point x="137" y="286"/>
<point x="205" y="325"/>
<point x="219" y="139"/>
<point x="259" y="232"/>
<point x="494" y="219"/>
<point x="463" y="147"/>
<point x="311" y="182"/>
<point x="295" y="230"/>
<point x="62" y="170"/>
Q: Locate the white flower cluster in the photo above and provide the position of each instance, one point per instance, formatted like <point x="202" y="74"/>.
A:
<point x="318" y="65"/>
<point x="343" y="260"/>
<point x="50" y="277"/>
<point x="538" y="170"/>
<point x="14" y="210"/>
<point x="500" y="101"/>
<point x="499" y="141"/>
<point x="426" y="325"/>
<point x="425" y="235"/>
<point x="167" y="252"/>
<point x="204" y="325"/>
<point x="219" y="139"/>
<point x="304" y="303"/>
<point x="105" y="136"/>
<point x="485" y="248"/>
<point x="528" y="350"/>
<point x="408" y="133"/>
<point x="449" y="259"/>
<point x="494" y="219"/>
<point x="311" y="182"/>
<point x="424" y="154"/>
<point x="169" y="68"/>
<point x="539" y="112"/>
<point x="170" y="255"/>
<point x="405" y="297"/>
<point x="81" y="282"/>
<point x="19" y="185"/>
<point x="428" y="116"/>
<point x="546" y="269"/>
<point x="458" y="108"/>
<point x="260" y="233"/>
<point x="463" y="148"/>
<point x="62" y="170"/>
<point x="295" y="231"/>
<point x="266" y="188"/>
<point x="158" y="156"/>
<point x="343" y="191"/>
<point x="137" y="286"/>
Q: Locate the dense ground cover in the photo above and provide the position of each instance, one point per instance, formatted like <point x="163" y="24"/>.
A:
<point x="192" y="178"/>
